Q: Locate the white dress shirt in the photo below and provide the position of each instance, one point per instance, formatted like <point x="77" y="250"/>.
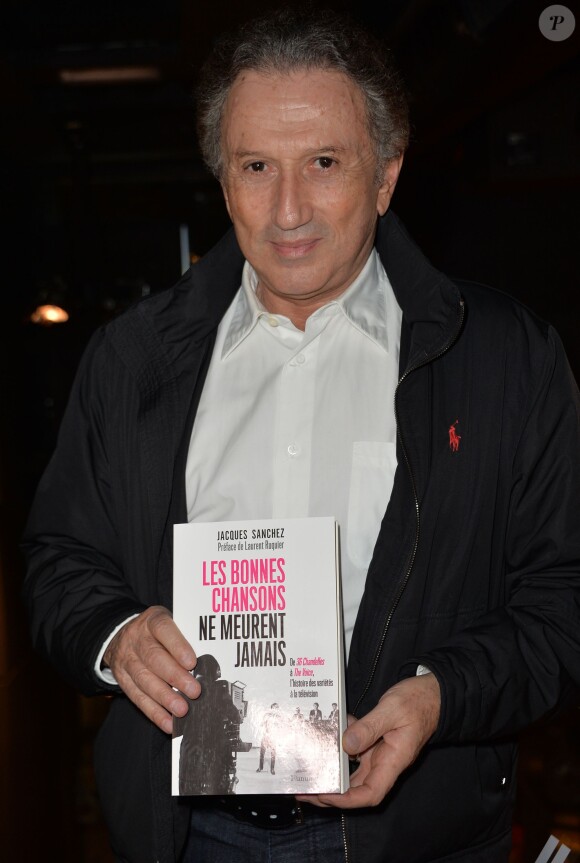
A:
<point x="296" y="423"/>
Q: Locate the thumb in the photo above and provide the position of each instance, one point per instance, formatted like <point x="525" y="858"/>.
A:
<point x="364" y="733"/>
<point x="413" y="703"/>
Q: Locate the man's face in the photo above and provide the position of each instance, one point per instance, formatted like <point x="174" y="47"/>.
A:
<point x="299" y="179"/>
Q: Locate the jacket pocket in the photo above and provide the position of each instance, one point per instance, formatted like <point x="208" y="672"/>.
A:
<point x="496" y="765"/>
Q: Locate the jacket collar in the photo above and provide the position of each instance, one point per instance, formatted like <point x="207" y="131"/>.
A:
<point x="429" y="300"/>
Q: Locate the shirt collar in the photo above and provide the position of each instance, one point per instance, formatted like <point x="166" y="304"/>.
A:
<point x="246" y="313"/>
<point x="364" y="304"/>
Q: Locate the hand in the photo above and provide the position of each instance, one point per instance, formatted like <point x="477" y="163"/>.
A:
<point x="148" y="657"/>
<point x="386" y="741"/>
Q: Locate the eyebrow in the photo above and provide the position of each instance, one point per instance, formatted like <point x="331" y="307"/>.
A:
<point x="259" y="155"/>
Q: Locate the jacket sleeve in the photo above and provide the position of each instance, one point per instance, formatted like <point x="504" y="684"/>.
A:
<point x="519" y="661"/>
<point x="75" y="588"/>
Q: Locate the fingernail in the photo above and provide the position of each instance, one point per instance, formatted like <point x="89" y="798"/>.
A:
<point x="350" y="742"/>
<point x="192" y="689"/>
<point x="179" y="707"/>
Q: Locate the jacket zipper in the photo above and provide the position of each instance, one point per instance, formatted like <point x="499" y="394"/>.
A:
<point x="411" y="561"/>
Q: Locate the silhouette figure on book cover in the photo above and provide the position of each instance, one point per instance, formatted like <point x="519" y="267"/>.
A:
<point x="210" y="729"/>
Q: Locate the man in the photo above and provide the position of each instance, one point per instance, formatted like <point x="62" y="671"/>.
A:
<point x="315" y="714"/>
<point x="292" y="395"/>
<point x="271" y="729"/>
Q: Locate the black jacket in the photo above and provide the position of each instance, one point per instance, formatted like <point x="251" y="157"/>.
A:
<point x="475" y="572"/>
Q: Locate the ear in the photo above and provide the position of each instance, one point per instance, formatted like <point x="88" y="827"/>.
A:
<point x="390" y="177"/>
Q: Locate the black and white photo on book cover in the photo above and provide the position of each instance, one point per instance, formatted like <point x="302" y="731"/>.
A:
<point x="260" y="603"/>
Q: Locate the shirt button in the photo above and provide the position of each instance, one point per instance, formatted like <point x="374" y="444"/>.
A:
<point x="274" y="322"/>
<point x="300" y="359"/>
<point x="294" y="449"/>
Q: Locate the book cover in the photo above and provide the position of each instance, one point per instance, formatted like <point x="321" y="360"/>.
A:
<point x="260" y="603"/>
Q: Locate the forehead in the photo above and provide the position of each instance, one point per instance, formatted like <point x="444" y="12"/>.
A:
<point x="309" y="103"/>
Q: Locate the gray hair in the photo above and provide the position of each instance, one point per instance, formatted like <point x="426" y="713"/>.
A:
<point x="288" y="40"/>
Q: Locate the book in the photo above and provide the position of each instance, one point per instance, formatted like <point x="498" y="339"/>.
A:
<point x="259" y="601"/>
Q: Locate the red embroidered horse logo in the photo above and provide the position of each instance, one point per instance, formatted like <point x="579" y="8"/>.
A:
<point x="454" y="438"/>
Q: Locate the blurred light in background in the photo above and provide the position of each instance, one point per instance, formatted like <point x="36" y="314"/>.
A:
<point x="48" y="315"/>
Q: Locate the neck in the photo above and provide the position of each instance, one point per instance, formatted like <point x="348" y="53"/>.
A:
<point x="298" y="310"/>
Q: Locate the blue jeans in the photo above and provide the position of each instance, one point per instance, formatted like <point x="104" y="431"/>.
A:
<point x="218" y="837"/>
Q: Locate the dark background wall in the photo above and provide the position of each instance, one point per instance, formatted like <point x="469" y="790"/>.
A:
<point x="95" y="181"/>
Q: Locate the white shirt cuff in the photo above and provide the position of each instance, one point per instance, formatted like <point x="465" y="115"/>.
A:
<point x="105" y="674"/>
<point x="422" y="669"/>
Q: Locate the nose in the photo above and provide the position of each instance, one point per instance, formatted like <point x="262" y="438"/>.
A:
<point x="292" y="207"/>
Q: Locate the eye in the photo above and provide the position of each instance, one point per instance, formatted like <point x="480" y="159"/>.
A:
<point x="256" y="167"/>
<point x="325" y="162"/>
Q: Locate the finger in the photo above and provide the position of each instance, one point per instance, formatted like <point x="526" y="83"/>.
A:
<point x="137" y="646"/>
<point x="314" y="799"/>
<point x="158" y="700"/>
<point x="364" y="733"/>
<point x="151" y="657"/>
<point x="378" y="770"/>
<point x="361" y="796"/>
<point x="152" y="708"/>
<point x="160" y="679"/>
<point x="165" y="630"/>
<point x="147" y="672"/>
<point x="415" y="701"/>
<point x="365" y="790"/>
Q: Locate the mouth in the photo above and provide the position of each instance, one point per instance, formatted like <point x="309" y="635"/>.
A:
<point x="294" y="249"/>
